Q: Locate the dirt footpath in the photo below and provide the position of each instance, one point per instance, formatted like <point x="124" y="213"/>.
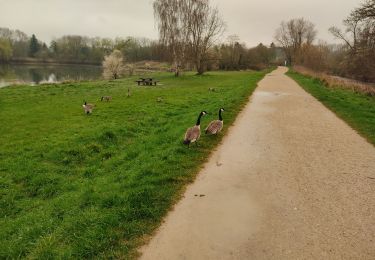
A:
<point x="289" y="181"/>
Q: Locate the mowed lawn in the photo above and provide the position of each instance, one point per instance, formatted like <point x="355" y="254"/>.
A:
<point x="78" y="186"/>
<point x="357" y="109"/>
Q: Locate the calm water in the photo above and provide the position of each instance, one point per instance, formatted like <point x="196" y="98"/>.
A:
<point x="36" y="74"/>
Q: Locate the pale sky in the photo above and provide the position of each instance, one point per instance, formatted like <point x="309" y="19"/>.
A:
<point x="254" y="21"/>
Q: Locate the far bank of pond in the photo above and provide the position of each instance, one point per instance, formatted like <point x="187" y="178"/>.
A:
<point x="38" y="73"/>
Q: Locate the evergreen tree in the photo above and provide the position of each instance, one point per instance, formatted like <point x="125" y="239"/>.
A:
<point x="34" y="46"/>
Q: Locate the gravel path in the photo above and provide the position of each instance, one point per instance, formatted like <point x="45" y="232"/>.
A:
<point x="289" y="181"/>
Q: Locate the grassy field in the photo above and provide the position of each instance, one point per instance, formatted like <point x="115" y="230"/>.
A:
<point x="358" y="110"/>
<point x="78" y="186"/>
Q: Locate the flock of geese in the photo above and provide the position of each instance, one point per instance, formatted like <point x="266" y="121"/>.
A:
<point x="214" y="127"/>
<point x="88" y="108"/>
<point x="192" y="134"/>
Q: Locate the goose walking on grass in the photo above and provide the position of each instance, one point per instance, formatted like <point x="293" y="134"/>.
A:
<point x="215" y="126"/>
<point x="193" y="133"/>
<point x="106" y="98"/>
<point x="88" y="108"/>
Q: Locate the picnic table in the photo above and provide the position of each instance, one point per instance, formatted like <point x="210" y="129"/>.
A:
<point x="147" y="81"/>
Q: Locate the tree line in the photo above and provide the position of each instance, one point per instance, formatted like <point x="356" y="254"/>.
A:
<point x="353" y="58"/>
<point x="191" y="38"/>
<point x="15" y="45"/>
<point x="227" y="54"/>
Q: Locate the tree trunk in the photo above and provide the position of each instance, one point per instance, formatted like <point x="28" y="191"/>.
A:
<point x="176" y="69"/>
<point x="199" y="66"/>
<point x="200" y="70"/>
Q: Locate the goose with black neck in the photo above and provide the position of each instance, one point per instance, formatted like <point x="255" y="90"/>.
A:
<point x="216" y="125"/>
<point x="193" y="133"/>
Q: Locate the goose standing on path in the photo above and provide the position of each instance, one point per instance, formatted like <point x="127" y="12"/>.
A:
<point x="193" y="133"/>
<point x="215" y="126"/>
<point x="88" y="108"/>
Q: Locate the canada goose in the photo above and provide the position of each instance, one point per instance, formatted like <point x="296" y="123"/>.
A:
<point x="88" y="108"/>
<point x="212" y="89"/>
<point x="193" y="133"/>
<point x="215" y="126"/>
<point x="106" y="98"/>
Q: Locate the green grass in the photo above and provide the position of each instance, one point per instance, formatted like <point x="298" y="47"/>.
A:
<point x="78" y="186"/>
<point x="358" y="110"/>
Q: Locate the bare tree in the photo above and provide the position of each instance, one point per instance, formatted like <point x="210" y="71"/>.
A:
<point x="235" y="51"/>
<point x="359" y="20"/>
<point x="189" y="29"/>
<point x="205" y="26"/>
<point x="173" y="32"/>
<point x="352" y="26"/>
<point x="359" y="37"/>
<point x="291" y="35"/>
<point x="113" y="66"/>
<point x="315" y="56"/>
<point x="367" y="10"/>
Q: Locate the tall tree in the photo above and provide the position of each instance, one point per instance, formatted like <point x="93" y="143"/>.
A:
<point x="173" y="32"/>
<point x="34" y="46"/>
<point x="188" y="28"/>
<point x="204" y="26"/>
<point x="232" y="53"/>
<point x="291" y="35"/>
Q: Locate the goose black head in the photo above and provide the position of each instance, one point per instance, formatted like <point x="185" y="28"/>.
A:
<point x="222" y="109"/>
<point x="203" y="113"/>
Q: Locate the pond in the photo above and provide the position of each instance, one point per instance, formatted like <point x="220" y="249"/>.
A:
<point x="35" y="74"/>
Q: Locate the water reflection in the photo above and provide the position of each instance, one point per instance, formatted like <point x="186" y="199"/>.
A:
<point x="35" y="74"/>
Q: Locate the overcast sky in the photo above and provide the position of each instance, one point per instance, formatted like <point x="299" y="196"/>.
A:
<point x="254" y="21"/>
